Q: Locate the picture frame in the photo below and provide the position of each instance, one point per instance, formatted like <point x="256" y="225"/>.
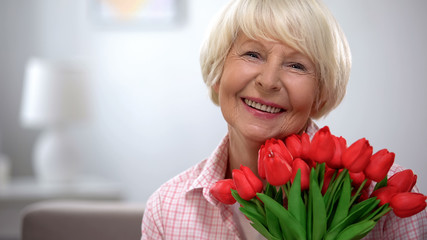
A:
<point x="137" y="14"/>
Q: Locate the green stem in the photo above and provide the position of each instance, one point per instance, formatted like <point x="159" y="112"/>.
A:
<point x="358" y="191"/>
<point x="259" y="205"/>
<point x="285" y="189"/>
<point x="384" y="210"/>
<point x="336" y="184"/>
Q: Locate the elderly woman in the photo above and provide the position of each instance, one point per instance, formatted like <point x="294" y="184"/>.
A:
<point x="271" y="66"/>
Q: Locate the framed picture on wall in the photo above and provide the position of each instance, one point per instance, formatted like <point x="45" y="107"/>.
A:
<point x="142" y="14"/>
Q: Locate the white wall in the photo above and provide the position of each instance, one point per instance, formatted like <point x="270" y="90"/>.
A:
<point x="386" y="100"/>
<point x="151" y="114"/>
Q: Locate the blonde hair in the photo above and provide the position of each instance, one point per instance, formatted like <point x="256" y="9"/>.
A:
<point x="305" y="25"/>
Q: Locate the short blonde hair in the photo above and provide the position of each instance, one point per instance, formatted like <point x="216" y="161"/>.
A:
<point x="305" y="25"/>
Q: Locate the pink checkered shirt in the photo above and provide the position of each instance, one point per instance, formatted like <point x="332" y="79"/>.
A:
<point x="183" y="208"/>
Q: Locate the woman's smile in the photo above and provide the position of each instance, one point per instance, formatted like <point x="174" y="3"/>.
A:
<point x="261" y="108"/>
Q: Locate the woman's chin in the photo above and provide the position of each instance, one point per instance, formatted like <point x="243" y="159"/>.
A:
<point x="260" y="135"/>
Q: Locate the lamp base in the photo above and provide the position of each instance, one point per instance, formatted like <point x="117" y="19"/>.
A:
<point x="54" y="158"/>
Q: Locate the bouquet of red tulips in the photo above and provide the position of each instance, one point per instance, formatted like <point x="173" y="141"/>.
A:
<point x="317" y="189"/>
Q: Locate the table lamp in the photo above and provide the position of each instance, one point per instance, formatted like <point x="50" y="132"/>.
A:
<point x="4" y="167"/>
<point x="53" y="99"/>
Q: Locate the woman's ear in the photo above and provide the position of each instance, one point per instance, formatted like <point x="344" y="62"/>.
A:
<point x="215" y="87"/>
<point x="317" y="105"/>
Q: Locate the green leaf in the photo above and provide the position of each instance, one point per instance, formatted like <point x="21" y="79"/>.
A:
<point x="381" y="184"/>
<point x="334" y="191"/>
<point x="279" y="196"/>
<point x="381" y="211"/>
<point x="333" y="203"/>
<point x="250" y="209"/>
<point x="309" y="226"/>
<point x="318" y="208"/>
<point x="343" y="207"/>
<point x="357" y="230"/>
<point x="253" y="216"/>
<point x="273" y="224"/>
<point x="295" y="203"/>
<point x="261" y="229"/>
<point x="364" y="205"/>
<point x="329" y="189"/>
<point x="356" y="214"/>
<point x="270" y="190"/>
<point x="288" y="223"/>
<point x="320" y="172"/>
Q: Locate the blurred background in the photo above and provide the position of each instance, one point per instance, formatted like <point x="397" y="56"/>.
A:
<point x="148" y="113"/>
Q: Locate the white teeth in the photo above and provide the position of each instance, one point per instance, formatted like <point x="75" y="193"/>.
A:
<point x="262" y="107"/>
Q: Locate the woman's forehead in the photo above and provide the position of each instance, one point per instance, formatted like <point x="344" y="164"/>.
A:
<point x="242" y="40"/>
<point x="270" y="36"/>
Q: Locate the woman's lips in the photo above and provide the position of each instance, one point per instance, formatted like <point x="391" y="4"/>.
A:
<point x="263" y="106"/>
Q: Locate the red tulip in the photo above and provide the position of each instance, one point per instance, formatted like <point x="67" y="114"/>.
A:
<point x="262" y="154"/>
<point x="404" y="181"/>
<point x="379" y="165"/>
<point x="356" y="157"/>
<point x="252" y="178"/>
<point x="272" y="148"/>
<point x="305" y="173"/>
<point x="277" y="170"/>
<point x="408" y="203"/>
<point x="340" y="146"/>
<point x="358" y="178"/>
<point x="305" y="146"/>
<point x="322" y="146"/>
<point x="221" y="190"/>
<point x="385" y="194"/>
<point x="277" y="147"/>
<point x="247" y="184"/>
<point x="293" y="143"/>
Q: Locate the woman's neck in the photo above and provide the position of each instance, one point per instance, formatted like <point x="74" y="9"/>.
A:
<point x="242" y="152"/>
<point x="245" y="152"/>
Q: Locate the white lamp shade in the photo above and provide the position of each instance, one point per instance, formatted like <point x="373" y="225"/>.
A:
<point x="54" y="93"/>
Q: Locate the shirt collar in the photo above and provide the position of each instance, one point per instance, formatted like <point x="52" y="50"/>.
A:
<point x="312" y="128"/>
<point x="212" y="170"/>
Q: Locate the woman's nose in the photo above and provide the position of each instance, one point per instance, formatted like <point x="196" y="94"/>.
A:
<point x="269" y="78"/>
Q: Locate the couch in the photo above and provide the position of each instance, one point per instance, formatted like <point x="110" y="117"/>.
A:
<point x="72" y="220"/>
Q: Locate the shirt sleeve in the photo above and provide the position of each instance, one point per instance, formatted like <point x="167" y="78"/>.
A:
<point x="152" y="220"/>
<point x="392" y="227"/>
<point x="397" y="228"/>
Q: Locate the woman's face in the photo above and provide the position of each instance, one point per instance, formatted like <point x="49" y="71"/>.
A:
<point x="267" y="89"/>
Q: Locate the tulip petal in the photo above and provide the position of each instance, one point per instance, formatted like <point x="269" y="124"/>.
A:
<point x="293" y="143"/>
<point x="385" y="194"/>
<point x="379" y="165"/>
<point x="305" y="173"/>
<point x="322" y="146"/>
<point x="356" y="157"/>
<point x="336" y="160"/>
<point x="404" y="181"/>
<point x="252" y="179"/>
<point x="408" y="204"/>
<point x="221" y="191"/>
<point x="278" y="172"/>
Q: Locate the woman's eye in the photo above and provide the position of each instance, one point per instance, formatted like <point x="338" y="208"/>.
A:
<point x="252" y="54"/>
<point x="298" y="66"/>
